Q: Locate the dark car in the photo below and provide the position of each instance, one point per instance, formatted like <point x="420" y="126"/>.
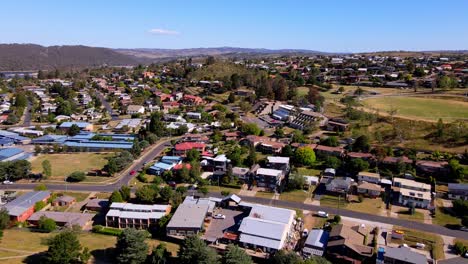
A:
<point x="172" y="184"/>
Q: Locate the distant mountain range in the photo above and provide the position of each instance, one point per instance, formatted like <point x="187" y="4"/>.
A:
<point x="35" y="57"/>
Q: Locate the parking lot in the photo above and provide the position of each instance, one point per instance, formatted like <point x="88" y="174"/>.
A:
<point x="217" y="227"/>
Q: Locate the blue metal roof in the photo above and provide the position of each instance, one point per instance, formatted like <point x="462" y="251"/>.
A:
<point x="100" y="144"/>
<point x="161" y="166"/>
<point x="317" y="238"/>
<point x="9" y="152"/>
<point x="79" y="124"/>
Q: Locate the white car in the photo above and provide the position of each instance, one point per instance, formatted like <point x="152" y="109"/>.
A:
<point x="322" y="214"/>
<point x="7" y="182"/>
<point x="219" y="216"/>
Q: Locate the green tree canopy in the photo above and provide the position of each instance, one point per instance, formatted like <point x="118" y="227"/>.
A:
<point x="236" y="255"/>
<point x="116" y="197"/>
<point x="46" y="224"/>
<point x="64" y="248"/>
<point x="305" y="156"/>
<point x="194" y="250"/>
<point x="131" y="247"/>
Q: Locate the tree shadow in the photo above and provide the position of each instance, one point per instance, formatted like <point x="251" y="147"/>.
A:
<point x="106" y="255"/>
<point x="36" y="258"/>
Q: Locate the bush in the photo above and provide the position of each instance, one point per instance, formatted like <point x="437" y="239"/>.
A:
<point x="360" y="198"/>
<point x="459" y="247"/>
<point x="39" y="205"/>
<point x="225" y="193"/>
<point x="46" y="224"/>
<point x="142" y="178"/>
<point x="107" y="230"/>
<point x="76" y="176"/>
<point x="337" y="219"/>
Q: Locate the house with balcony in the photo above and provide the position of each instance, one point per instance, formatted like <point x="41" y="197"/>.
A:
<point x="139" y="216"/>
<point x="269" y="178"/>
<point x="411" y="192"/>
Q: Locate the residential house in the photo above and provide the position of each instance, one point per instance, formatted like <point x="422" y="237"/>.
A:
<point x="269" y="178"/>
<point x="339" y="185"/>
<point x="166" y="163"/>
<point x="400" y="255"/>
<point x="240" y="173"/>
<point x="412" y="192"/>
<point x="369" y="189"/>
<point x="329" y="151"/>
<point x="347" y="244"/>
<point x="64" y="200"/>
<point x="188" y="219"/>
<point x="218" y="165"/>
<point x="397" y="160"/>
<point x="192" y="100"/>
<point x="458" y="191"/>
<point x="337" y="125"/>
<point x="316" y="243"/>
<point x="194" y="115"/>
<point x="360" y="155"/>
<point x="180" y="149"/>
<point x="278" y="163"/>
<point x="135" y="109"/>
<point x="97" y="205"/>
<point x="195" y="138"/>
<point x="432" y="167"/>
<point x="306" y="118"/>
<point x="368" y="177"/>
<point x="22" y="207"/>
<point x="139" y="216"/>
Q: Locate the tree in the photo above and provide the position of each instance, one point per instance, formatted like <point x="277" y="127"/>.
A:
<point x="131" y="247"/>
<point x="459" y="247"/>
<point x="74" y="130"/>
<point x="332" y="162"/>
<point x="305" y="156"/>
<point x="193" y="155"/>
<point x="46" y="224"/>
<point x="40" y="187"/>
<point x="287" y="151"/>
<point x="146" y="194"/>
<point x="76" y="176"/>
<point x="231" y="98"/>
<point x="251" y="158"/>
<point x="331" y="141"/>
<point x="236" y="255"/>
<point x="439" y="128"/>
<point x="194" y="250"/>
<point x="337" y="219"/>
<point x="250" y="129"/>
<point x="4" y="218"/>
<point x="116" y="197"/>
<point x="361" y="144"/>
<point x="285" y="257"/>
<point x="159" y="255"/>
<point x="125" y="192"/>
<point x="64" y="248"/>
<point x="316" y="260"/>
<point x="357" y="165"/>
<point x="203" y="190"/>
<point x="166" y="193"/>
<point x="46" y="168"/>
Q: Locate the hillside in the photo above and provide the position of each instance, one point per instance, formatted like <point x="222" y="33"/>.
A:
<point x="220" y="51"/>
<point x="35" y="57"/>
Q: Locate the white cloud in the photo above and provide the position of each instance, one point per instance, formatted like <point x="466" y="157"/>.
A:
<point x="161" y="31"/>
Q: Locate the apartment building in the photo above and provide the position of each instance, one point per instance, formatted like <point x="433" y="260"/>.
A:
<point x="139" y="216"/>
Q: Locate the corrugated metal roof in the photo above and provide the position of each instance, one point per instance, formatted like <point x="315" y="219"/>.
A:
<point x="189" y="216"/>
<point x="25" y="201"/>
<point x="6" y="153"/>
<point x="317" y="238"/>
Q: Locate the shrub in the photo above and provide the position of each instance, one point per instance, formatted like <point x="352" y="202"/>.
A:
<point x="337" y="219"/>
<point x="225" y="193"/>
<point x="39" y="205"/>
<point x="459" y="247"/>
<point x="46" y="224"/>
<point x="76" y="176"/>
<point x="107" y="231"/>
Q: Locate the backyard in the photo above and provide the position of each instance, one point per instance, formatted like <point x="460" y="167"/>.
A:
<point x="434" y="243"/>
<point x="64" y="164"/>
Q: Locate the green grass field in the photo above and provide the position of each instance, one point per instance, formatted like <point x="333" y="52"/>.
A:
<point x="294" y="196"/>
<point x="420" y="108"/>
<point x="33" y="242"/>
<point x="64" y="164"/>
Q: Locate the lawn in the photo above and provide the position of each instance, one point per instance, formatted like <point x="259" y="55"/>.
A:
<point x="332" y="201"/>
<point x="371" y="206"/>
<point x="79" y="196"/>
<point x="295" y="196"/>
<point x="443" y="216"/>
<point x="308" y="172"/>
<point x="219" y="189"/>
<point x="433" y="242"/>
<point x="417" y="216"/>
<point x="64" y="164"/>
<point x="420" y="108"/>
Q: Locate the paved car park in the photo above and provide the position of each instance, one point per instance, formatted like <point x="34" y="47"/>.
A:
<point x="217" y="227"/>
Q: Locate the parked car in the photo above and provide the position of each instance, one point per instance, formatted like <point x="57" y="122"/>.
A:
<point x="133" y="172"/>
<point x="7" y="182"/>
<point x="464" y="228"/>
<point x="173" y="184"/>
<point x="322" y="214"/>
<point x="219" y="216"/>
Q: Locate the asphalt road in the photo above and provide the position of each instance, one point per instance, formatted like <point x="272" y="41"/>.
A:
<point x="106" y="105"/>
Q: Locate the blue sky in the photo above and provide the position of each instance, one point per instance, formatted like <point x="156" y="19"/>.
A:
<point x="332" y="25"/>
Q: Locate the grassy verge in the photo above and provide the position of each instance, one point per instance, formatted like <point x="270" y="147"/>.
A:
<point x="307" y="171"/>
<point x="79" y="196"/>
<point x="371" y="206"/>
<point x="266" y="195"/>
<point x="294" y="196"/>
<point x="220" y="189"/>
<point x="417" y="216"/>
<point x="444" y="217"/>
<point x="333" y="201"/>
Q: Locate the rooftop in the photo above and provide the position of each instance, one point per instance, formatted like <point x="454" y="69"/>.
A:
<point x="188" y="216"/>
<point x="18" y="206"/>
